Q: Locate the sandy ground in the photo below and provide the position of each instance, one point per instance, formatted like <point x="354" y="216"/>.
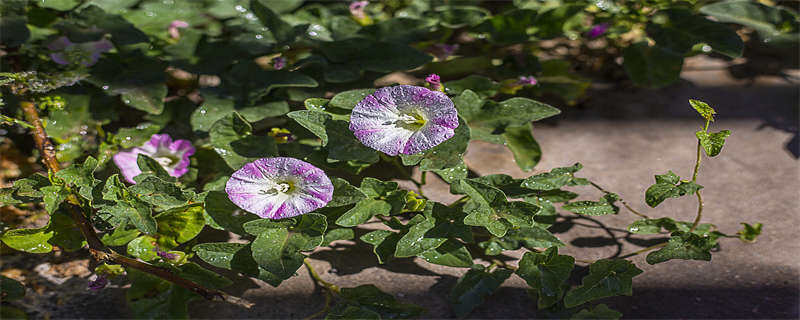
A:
<point x="622" y="137"/>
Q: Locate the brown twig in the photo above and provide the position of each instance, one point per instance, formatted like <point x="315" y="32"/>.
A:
<point x="96" y="247"/>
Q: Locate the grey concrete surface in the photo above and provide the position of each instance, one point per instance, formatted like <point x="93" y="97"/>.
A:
<point x="623" y="137"/>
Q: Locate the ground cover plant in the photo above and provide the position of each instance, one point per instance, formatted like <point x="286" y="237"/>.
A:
<point x="285" y="123"/>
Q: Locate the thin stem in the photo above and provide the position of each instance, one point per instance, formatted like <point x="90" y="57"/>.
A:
<point x="460" y="200"/>
<point x="625" y="204"/>
<point x="503" y="264"/>
<point x="653" y="247"/>
<point x="330" y="286"/>
<point x="96" y="247"/>
<point x="5" y="118"/>
<point x="699" y="211"/>
<point x="422" y="177"/>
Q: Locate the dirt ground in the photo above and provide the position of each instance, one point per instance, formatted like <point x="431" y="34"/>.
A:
<point x="622" y="136"/>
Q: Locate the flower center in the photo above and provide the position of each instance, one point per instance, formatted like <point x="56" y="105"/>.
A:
<point x="283" y="187"/>
<point x="412" y="120"/>
<point x="166" y="160"/>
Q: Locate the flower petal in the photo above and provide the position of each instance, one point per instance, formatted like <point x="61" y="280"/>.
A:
<point x="254" y="187"/>
<point x="126" y="162"/>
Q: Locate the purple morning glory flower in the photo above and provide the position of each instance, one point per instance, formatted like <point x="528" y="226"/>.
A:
<point x="280" y="187"/>
<point x="527" y="81"/>
<point x="99" y="283"/>
<point x="85" y="53"/>
<point x="597" y="30"/>
<point x="173" y="31"/>
<point x="404" y="119"/>
<point x="435" y="82"/>
<point x="173" y="156"/>
<point x="279" y="63"/>
<point x="357" y="9"/>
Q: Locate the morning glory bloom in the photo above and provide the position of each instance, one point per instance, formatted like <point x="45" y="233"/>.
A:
<point x="172" y="155"/>
<point x="173" y="31"/>
<point x="404" y="119"/>
<point x="279" y="63"/>
<point x="85" y="53"/>
<point x="279" y="187"/>
<point x="434" y="82"/>
<point x="597" y="30"/>
<point x="527" y="81"/>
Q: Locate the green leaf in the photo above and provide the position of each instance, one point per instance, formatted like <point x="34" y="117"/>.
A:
<point x="480" y="87"/>
<point x="349" y="99"/>
<point x="456" y="16"/>
<point x="53" y="196"/>
<point x="547" y="273"/>
<point x="451" y="253"/>
<point x="215" y="108"/>
<point x="15" y="30"/>
<point x="148" y="98"/>
<point x="526" y="150"/>
<point x="60" y="231"/>
<point x="363" y="211"/>
<point x="162" y="194"/>
<point x="384" y="243"/>
<point x="344" y="193"/>
<point x="81" y="177"/>
<point x="446" y="155"/>
<point x="338" y="234"/>
<point x="122" y="32"/>
<point x="233" y="139"/>
<point x="375" y="188"/>
<point x="231" y="256"/>
<point x="314" y="121"/>
<point x="685" y="246"/>
<point x="594" y="208"/>
<point x="494" y="212"/>
<point x="651" y="66"/>
<point x="530" y="238"/>
<point x="600" y="311"/>
<point x="344" y="146"/>
<point x="712" y="142"/>
<point x="679" y="30"/>
<point x="706" y="111"/>
<point x="151" y="167"/>
<point x="668" y="186"/>
<point x="774" y="24"/>
<point x="179" y="225"/>
<point x="120" y="237"/>
<point x="369" y="302"/>
<point x="471" y="289"/>
<point x="750" y="232"/>
<point x="207" y="278"/>
<point x="220" y="211"/>
<point x="122" y="207"/>
<point x="374" y="56"/>
<point x="25" y="190"/>
<point x="11" y="289"/>
<point x="419" y="239"/>
<point x="552" y="180"/>
<point x="144" y="248"/>
<point x="496" y="117"/>
<point x="281" y="30"/>
<point x="277" y="250"/>
<point x="606" y="278"/>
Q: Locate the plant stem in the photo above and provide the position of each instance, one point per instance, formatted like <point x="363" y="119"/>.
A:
<point x="694" y="179"/>
<point x="5" y="118"/>
<point x="625" y="204"/>
<point x="653" y="247"/>
<point x="96" y="247"/>
<point x="327" y="285"/>
<point x="460" y="200"/>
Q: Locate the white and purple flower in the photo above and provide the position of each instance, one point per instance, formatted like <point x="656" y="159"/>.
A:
<point x="404" y="119"/>
<point x="527" y="81"/>
<point x="85" y="53"/>
<point x="280" y="187"/>
<point x="172" y="155"/>
<point x="173" y="27"/>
